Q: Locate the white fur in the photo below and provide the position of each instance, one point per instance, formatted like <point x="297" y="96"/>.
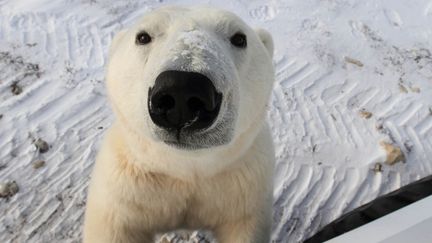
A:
<point x="140" y="185"/>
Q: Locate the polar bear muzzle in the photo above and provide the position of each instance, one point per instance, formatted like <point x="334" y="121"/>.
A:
<point x="181" y="100"/>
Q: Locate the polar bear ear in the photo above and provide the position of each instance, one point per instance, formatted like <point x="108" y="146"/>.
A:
<point x="266" y="39"/>
<point x="116" y="40"/>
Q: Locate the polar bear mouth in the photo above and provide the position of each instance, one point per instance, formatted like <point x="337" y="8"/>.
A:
<point x="182" y="145"/>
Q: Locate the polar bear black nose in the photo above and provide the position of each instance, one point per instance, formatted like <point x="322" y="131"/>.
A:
<point x="183" y="100"/>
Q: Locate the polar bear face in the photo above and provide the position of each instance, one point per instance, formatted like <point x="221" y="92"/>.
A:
<point x="190" y="78"/>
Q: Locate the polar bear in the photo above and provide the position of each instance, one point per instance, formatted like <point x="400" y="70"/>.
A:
<point x="190" y="147"/>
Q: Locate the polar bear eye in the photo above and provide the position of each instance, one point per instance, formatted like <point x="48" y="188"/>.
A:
<point x="143" y="38"/>
<point x="239" y="40"/>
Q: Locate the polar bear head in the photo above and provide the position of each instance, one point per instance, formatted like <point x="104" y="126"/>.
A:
<point x="191" y="79"/>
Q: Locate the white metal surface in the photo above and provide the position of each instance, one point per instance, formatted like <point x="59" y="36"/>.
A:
<point x="409" y="224"/>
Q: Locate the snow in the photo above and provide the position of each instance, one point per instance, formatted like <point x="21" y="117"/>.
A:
<point x="334" y="60"/>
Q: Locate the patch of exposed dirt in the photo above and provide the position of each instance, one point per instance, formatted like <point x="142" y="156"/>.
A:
<point x="394" y="153"/>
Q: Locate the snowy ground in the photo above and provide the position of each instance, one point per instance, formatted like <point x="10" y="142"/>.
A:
<point x="350" y="74"/>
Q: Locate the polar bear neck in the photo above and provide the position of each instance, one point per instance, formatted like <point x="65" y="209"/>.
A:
<point x="195" y="164"/>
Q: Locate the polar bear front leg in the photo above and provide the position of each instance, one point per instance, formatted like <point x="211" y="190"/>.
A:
<point x="247" y="230"/>
<point x="102" y="226"/>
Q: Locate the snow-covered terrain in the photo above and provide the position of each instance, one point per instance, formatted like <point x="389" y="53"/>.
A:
<point x="350" y="74"/>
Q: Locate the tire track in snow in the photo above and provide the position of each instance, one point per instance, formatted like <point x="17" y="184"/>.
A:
<point x="336" y="116"/>
<point x="263" y="12"/>
<point x="52" y="111"/>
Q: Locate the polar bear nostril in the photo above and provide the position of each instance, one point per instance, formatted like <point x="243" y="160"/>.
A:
<point x="195" y="105"/>
<point x="165" y="103"/>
